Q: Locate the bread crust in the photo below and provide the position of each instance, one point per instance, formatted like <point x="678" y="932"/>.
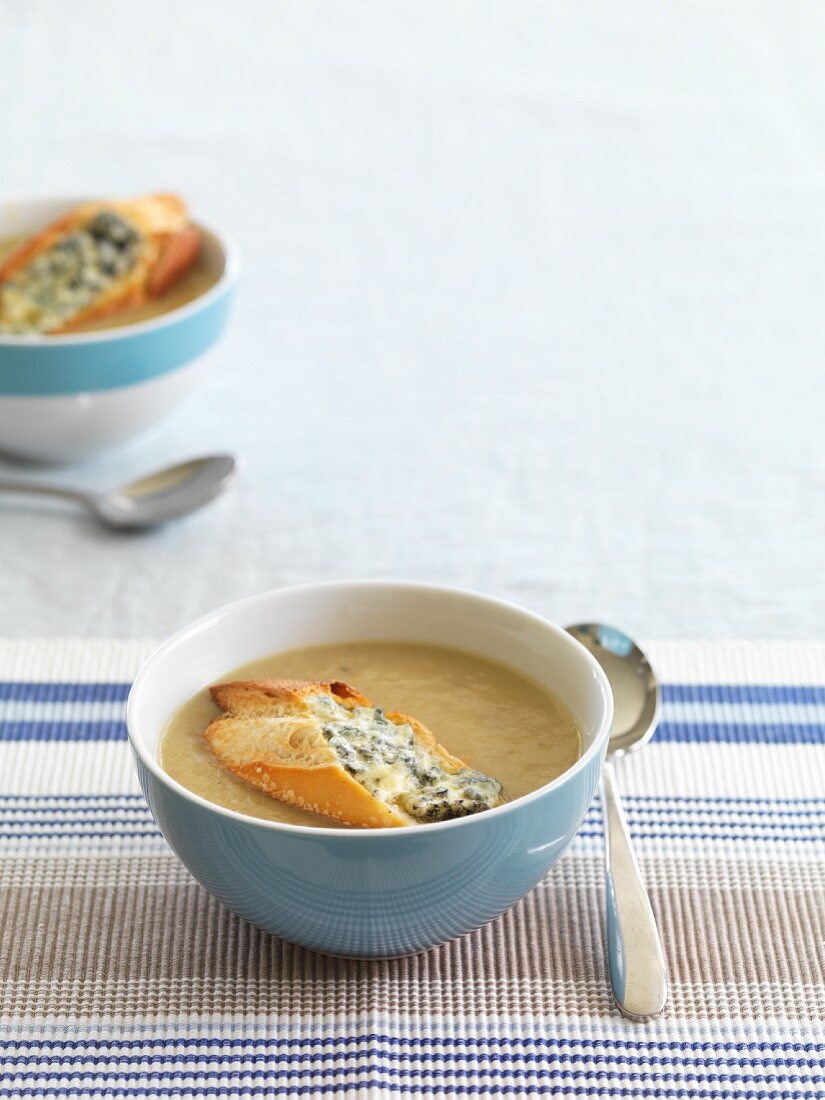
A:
<point x="170" y="246"/>
<point x="293" y="762"/>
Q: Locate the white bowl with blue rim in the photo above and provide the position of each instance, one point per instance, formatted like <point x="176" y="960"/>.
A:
<point x="372" y="893"/>
<point x="67" y="396"/>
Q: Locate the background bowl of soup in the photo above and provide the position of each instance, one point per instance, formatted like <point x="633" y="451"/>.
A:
<point x="375" y="893"/>
<point x="67" y="396"/>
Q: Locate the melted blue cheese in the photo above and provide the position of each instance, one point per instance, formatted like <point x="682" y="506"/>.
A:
<point x="386" y="759"/>
<point x="62" y="282"/>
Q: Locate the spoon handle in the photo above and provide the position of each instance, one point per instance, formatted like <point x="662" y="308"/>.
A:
<point x="40" y="489"/>
<point x="634" y="947"/>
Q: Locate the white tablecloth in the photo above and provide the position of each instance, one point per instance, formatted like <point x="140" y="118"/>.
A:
<point x="533" y="301"/>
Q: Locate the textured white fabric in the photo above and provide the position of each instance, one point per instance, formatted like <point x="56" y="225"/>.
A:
<point x="532" y="303"/>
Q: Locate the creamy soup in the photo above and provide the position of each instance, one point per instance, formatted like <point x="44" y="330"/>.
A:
<point x="197" y="280"/>
<point x="489" y="716"/>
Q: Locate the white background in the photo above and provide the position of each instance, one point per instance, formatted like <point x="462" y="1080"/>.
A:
<point x="533" y="301"/>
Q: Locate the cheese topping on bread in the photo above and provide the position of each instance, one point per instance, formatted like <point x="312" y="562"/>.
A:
<point x="61" y="282"/>
<point x="387" y="759"/>
<point x="327" y="748"/>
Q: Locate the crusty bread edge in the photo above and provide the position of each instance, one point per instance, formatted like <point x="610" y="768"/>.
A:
<point x="327" y="790"/>
<point x="292" y="692"/>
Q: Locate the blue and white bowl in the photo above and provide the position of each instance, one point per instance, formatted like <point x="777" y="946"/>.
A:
<point x="372" y="893"/>
<point x="64" y="397"/>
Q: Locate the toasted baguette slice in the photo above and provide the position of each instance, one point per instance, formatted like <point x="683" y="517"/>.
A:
<point x="299" y="740"/>
<point x="166" y="246"/>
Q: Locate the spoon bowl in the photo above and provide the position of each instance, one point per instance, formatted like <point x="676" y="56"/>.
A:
<point x="150" y="500"/>
<point x="636" y="692"/>
<point x="166" y="494"/>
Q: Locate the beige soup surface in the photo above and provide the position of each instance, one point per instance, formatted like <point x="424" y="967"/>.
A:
<point x="491" y="717"/>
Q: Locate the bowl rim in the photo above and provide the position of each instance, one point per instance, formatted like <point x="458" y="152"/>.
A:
<point x="228" y="277"/>
<point x="309" y="831"/>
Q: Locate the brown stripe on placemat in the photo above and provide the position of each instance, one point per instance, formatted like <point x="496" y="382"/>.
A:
<point x="172" y="947"/>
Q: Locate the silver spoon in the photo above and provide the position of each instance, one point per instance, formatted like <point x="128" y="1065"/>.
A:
<point x="163" y="495"/>
<point x="634" y="947"/>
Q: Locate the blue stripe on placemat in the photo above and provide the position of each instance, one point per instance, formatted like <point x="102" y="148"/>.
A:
<point x="629" y="1085"/>
<point x="714" y="719"/>
<point x="759" y="804"/>
<point x="720" y="1075"/>
<point x="792" y="694"/>
<point x="62" y="731"/>
<point x="432" y="1064"/>
<point x="58" y="691"/>
<point x="777" y="733"/>
<point x="757" y="1047"/>
<point x="671" y="806"/>
<point x="763" y="733"/>
<point x="106" y="818"/>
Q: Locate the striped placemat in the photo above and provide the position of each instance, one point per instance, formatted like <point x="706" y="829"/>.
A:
<point x="122" y="977"/>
